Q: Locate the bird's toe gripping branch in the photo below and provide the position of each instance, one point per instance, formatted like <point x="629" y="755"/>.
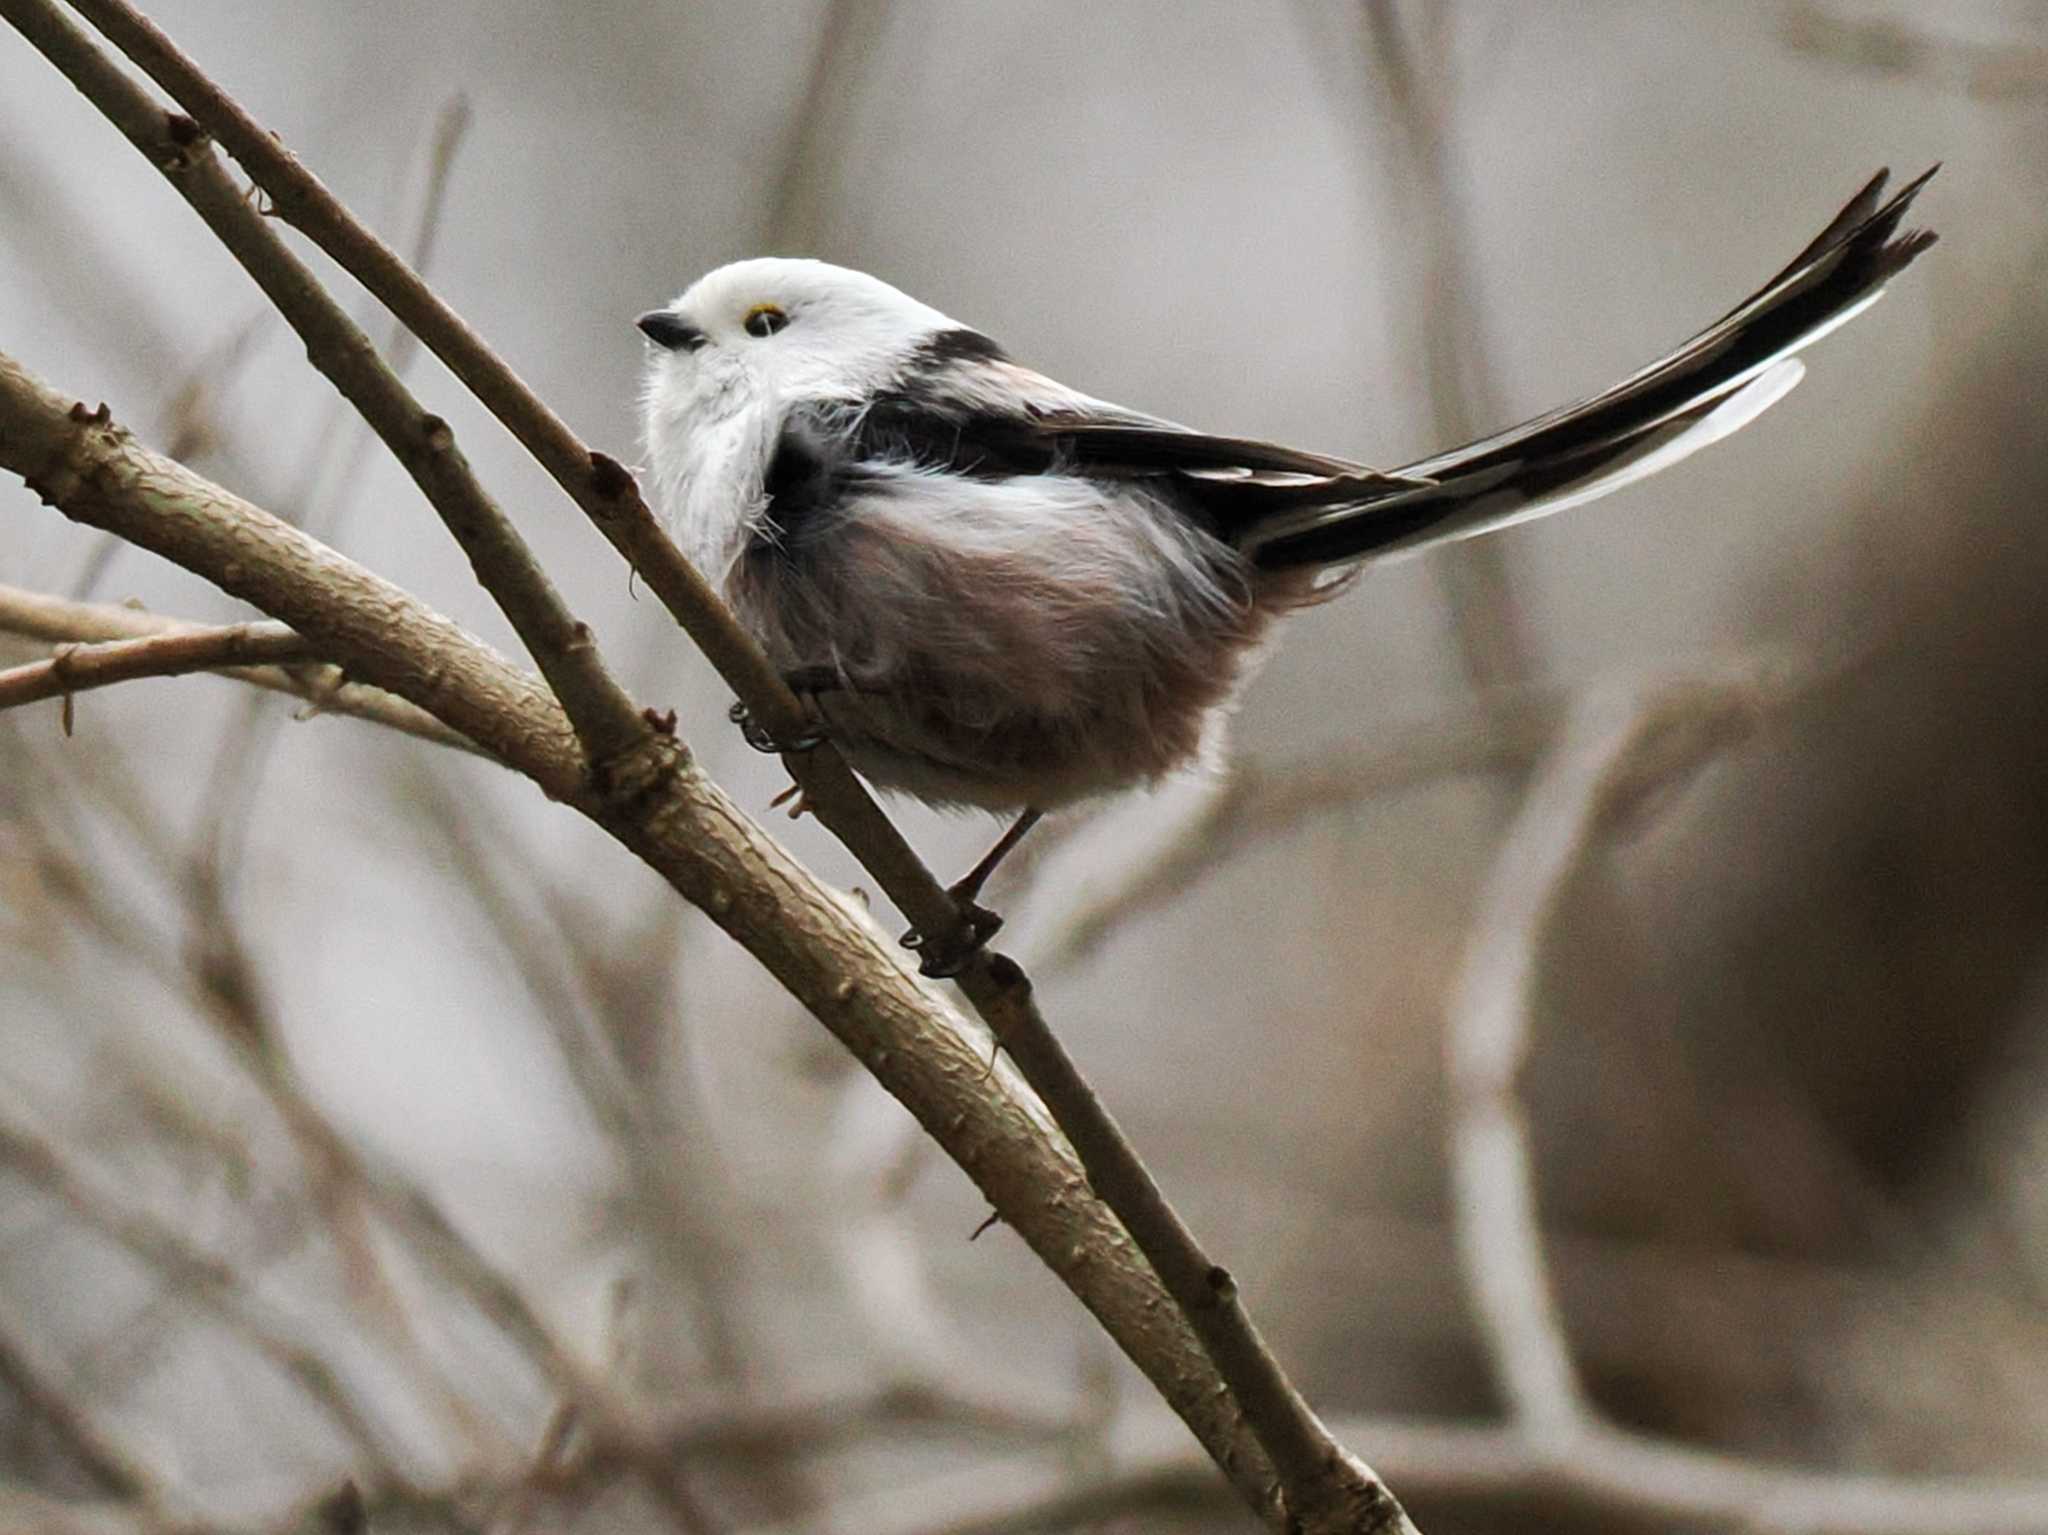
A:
<point x="806" y="684"/>
<point x="944" y="955"/>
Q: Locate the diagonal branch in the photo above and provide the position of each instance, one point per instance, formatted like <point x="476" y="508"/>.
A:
<point x="598" y="484"/>
<point x="604" y="717"/>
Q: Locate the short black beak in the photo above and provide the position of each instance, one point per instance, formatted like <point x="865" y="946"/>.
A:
<point x="664" y="329"/>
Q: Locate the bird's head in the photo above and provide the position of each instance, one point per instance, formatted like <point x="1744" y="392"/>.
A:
<point x="780" y="327"/>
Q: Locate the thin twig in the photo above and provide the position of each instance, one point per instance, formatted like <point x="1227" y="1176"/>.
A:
<point x="81" y="668"/>
<point x="335" y="460"/>
<point x="83" y="1438"/>
<point x="845" y="59"/>
<point x="1906" y="47"/>
<point x="59" y="620"/>
<point x="605" y="719"/>
<point x="323" y="494"/>
<point x="1417" y="85"/>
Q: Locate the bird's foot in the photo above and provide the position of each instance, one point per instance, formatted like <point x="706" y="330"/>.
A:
<point x="806" y="683"/>
<point x="944" y="955"/>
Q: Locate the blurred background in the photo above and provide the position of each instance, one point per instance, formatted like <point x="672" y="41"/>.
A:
<point x="353" y="1098"/>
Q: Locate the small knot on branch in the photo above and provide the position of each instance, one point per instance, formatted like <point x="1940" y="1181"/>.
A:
<point x="187" y="143"/>
<point x="610" y="478"/>
<point x="630" y="778"/>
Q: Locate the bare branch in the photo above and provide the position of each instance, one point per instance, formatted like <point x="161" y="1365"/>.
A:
<point x="85" y="1440"/>
<point x="80" y="668"/>
<point x="335" y="461"/>
<point x="1417" y="86"/>
<point x="848" y="47"/>
<point x="37" y="616"/>
<point x="604" y="717"/>
<point x="1915" y="49"/>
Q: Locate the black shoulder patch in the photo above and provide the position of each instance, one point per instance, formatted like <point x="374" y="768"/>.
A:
<point x="957" y="345"/>
<point x="806" y="476"/>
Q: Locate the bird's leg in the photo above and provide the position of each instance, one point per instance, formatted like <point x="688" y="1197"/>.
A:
<point x="807" y="682"/>
<point x="940" y="959"/>
<point x="968" y="887"/>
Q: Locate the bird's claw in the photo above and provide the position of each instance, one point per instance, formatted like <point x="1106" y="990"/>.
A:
<point x="945" y="955"/>
<point x="762" y="739"/>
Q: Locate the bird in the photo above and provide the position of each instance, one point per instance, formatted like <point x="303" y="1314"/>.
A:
<point x="994" y="591"/>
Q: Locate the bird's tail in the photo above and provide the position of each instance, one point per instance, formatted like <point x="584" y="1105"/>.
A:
<point x="1720" y="380"/>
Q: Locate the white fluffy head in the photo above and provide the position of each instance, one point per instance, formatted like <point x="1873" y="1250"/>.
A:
<point x="727" y="355"/>
<point x="836" y="331"/>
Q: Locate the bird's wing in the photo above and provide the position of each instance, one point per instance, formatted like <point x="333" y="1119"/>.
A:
<point x="967" y="408"/>
<point x="964" y="406"/>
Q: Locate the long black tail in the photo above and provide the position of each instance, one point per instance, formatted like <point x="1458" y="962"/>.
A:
<point x="1718" y="381"/>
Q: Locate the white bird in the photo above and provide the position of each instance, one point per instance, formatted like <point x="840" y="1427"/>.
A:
<point x="998" y="592"/>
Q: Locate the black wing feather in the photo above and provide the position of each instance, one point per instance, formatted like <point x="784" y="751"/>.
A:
<point x="1499" y="479"/>
<point x="964" y="408"/>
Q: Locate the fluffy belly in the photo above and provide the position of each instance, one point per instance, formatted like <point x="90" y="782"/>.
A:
<point x="1024" y="642"/>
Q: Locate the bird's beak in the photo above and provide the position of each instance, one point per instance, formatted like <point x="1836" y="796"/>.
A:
<point x="665" y="330"/>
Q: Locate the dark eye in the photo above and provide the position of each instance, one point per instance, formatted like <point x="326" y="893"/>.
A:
<point x="764" y="320"/>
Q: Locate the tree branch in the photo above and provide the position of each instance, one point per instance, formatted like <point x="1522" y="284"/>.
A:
<point x="1260" y="801"/>
<point x="603" y="716"/>
<point x="37" y="616"/>
<point x="81" y="668"/>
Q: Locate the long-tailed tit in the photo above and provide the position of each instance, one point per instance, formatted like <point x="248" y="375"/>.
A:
<point x="998" y="592"/>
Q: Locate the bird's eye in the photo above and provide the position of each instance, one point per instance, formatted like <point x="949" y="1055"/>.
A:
<point x="764" y="320"/>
